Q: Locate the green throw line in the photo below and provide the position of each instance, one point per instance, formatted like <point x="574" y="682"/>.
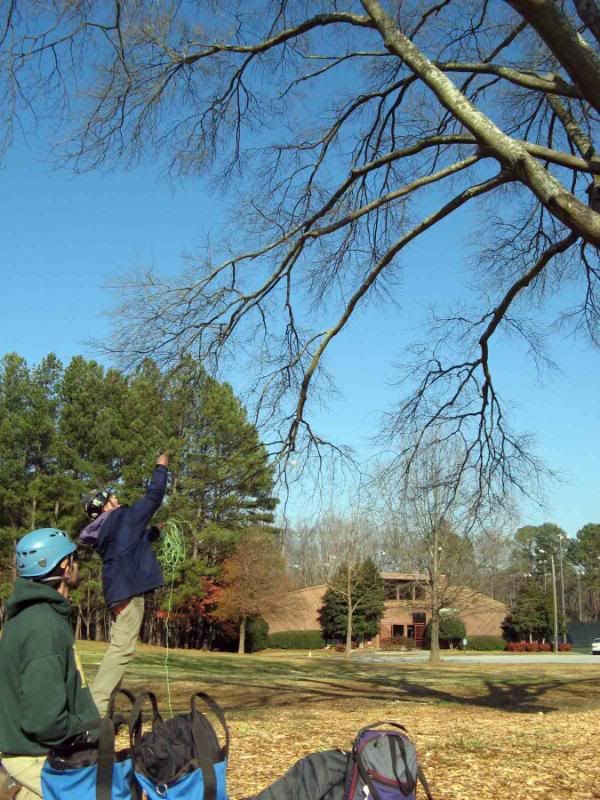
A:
<point x="171" y="555"/>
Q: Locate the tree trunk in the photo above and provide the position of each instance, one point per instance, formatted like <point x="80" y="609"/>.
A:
<point x="348" y="652"/>
<point x="242" y="645"/>
<point x="434" y="647"/>
<point x="555" y="607"/>
<point x="33" y="512"/>
<point x="99" y="627"/>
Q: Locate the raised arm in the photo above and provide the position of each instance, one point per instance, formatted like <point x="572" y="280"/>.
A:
<point x="143" y="509"/>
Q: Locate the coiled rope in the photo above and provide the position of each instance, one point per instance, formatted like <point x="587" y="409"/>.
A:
<point x="171" y="555"/>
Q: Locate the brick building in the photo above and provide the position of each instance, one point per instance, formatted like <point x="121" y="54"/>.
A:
<point x="406" y="609"/>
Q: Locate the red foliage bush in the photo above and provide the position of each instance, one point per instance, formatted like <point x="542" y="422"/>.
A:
<point x="534" y="647"/>
<point x="515" y="647"/>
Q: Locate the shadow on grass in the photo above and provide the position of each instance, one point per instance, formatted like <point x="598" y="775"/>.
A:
<point x="251" y="683"/>
<point x="506" y="695"/>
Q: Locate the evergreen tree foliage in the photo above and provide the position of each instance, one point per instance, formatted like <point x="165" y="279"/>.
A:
<point x="367" y="599"/>
<point x="531" y="614"/>
<point x="66" y="429"/>
<point x="452" y="629"/>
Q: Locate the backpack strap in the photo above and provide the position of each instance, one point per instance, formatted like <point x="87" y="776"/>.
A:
<point x="135" y="721"/>
<point x="217" y="711"/>
<point x="203" y="759"/>
<point x="424" y="784"/>
<point x="379" y="725"/>
<point x="113" y="699"/>
<point x="105" y="759"/>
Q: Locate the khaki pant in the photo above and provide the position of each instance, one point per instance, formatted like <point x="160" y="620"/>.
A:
<point x="124" y="633"/>
<point x="26" y="770"/>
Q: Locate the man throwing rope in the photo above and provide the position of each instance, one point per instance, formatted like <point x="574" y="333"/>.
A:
<point x="130" y="569"/>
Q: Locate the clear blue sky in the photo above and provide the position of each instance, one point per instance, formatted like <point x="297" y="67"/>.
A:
<point x="62" y="237"/>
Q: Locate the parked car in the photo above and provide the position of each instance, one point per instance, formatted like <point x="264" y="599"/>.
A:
<point x="596" y="647"/>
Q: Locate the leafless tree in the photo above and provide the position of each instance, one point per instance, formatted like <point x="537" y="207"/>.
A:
<point x="337" y="547"/>
<point x="493" y="549"/>
<point x="435" y="506"/>
<point x="347" y="130"/>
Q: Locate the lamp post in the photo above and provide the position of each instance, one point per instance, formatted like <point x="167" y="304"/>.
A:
<point x="554" y="599"/>
<point x="562" y="586"/>
<point x="578" y="571"/>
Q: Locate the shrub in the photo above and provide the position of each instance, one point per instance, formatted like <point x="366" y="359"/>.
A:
<point x="451" y="633"/>
<point x="535" y="647"/>
<point x="485" y="643"/>
<point x="516" y="647"/>
<point x="297" y="640"/>
<point x="257" y="635"/>
<point x="398" y="643"/>
<point x="452" y="629"/>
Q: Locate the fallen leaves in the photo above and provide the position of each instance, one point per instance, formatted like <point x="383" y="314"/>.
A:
<point x="467" y="754"/>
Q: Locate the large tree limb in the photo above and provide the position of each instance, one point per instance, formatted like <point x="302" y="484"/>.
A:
<point x="589" y="13"/>
<point x="551" y="193"/>
<point x="556" y="31"/>
<point x="529" y="80"/>
<point x="318" y="21"/>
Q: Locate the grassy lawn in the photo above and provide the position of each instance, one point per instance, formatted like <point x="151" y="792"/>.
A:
<point x="481" y="731"/>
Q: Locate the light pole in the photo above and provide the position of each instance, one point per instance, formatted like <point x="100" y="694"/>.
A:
<point x="579" y="593"/>
<point x="554" y="598"/>
<point x="562" y="586"/>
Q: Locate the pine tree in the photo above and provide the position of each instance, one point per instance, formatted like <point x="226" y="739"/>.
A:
<point x="531" y="614"/>
<point x="366" y="601"/>
<point x="66" y="430"/>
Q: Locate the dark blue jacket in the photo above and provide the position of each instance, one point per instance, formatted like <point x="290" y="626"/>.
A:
<point x="129" y="565"/>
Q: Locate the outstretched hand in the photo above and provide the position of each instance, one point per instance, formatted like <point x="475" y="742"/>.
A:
<point x="163" y="459"/>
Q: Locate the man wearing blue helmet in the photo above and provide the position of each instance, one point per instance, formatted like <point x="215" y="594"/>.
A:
<point x="43" y="693"/>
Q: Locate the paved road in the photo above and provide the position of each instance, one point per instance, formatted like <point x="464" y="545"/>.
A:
<point x="473" y="658"/>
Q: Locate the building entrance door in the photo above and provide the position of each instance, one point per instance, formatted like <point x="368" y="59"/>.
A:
<point x="419" y="622"/>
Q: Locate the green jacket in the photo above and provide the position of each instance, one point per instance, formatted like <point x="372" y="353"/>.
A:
<point x="43" y="694"/>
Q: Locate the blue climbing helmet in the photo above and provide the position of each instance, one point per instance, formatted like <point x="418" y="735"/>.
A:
<point x="40" y="551"/>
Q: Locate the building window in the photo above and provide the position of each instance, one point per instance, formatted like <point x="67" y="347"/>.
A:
<point x="419" y="617"/>
<point x="410" y="631"/>
<point x="397" y="630"/>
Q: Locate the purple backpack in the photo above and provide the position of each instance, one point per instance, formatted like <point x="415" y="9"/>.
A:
<point x="383" y="765"/>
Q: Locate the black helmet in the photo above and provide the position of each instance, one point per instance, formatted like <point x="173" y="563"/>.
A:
<point x="94" y="502"/>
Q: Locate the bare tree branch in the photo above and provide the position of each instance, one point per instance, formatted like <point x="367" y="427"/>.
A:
<point x="576" y="56"/>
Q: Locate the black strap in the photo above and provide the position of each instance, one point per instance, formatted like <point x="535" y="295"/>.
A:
<point x="105" y="759"/>
<point x="378" y="725"/>
<point x="424" y="784"/>
<point x="113" y="699"/>
<point x="135" y="721"/>
<point x="398" y="742"/>
<point x="217" y="711"/>
<point x="205" y="763"/>
<point x="203" y="759"/>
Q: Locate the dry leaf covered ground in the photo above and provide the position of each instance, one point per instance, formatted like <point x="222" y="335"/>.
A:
<point x="482" y="732"/>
